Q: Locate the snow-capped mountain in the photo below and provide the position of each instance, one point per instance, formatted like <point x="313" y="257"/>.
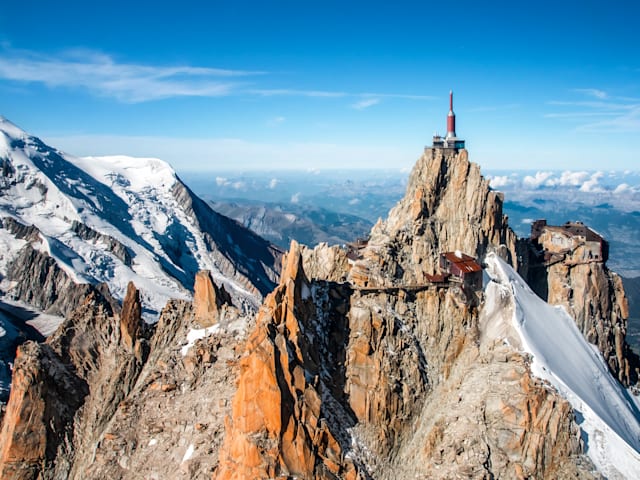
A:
<point x="607" y="414"/>
<point x="119" y="219"/>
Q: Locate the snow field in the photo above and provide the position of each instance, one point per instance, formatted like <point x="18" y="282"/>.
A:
<point x="607" y="415"/>
<point x="129" y="199"/>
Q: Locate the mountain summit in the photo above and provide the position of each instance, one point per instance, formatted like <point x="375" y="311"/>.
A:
<point x="115" y="220"/>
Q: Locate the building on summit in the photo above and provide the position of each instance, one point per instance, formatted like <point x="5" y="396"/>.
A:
<point x="573" y="241"/>
<point x="450" y="140"/>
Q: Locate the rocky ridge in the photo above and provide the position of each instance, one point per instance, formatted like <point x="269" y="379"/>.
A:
<point x="137" y="393"/>
<point x="407" y="354"/>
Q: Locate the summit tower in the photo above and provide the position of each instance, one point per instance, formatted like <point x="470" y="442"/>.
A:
<point x="450" y="140"/>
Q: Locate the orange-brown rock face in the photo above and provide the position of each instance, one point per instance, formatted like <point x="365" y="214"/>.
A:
<point x="44" y="397"/>
<point x="130" y="317"/>
<point x="24" y="442"/>
<point x="207" y="299"/>
<point x="448" y="206"/>
<point x="279" y="425"/>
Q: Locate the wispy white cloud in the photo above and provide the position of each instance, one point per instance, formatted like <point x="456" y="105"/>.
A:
<point x="499" y="181"/>
<point x="593" y="184"/>
<point x="626" y="122"/>
<point x="568" y="179"/>
<point x="365" y="103"/>
<point x="604" y="114"/>
<point x="592" y="92"/>
<point x="100" y="74"/>
<point x="622" y="188"/>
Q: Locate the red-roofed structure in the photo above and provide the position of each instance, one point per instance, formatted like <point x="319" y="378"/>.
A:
<point x="463" y="268"/>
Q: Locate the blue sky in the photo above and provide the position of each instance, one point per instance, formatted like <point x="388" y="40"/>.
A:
<point x="306" y="84"/>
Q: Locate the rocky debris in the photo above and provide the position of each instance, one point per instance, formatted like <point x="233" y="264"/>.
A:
<point x="112" y="245"/>
<point x="208" y="299"/>
<point x="45" y="396"/>
<point x="171" y="423"/>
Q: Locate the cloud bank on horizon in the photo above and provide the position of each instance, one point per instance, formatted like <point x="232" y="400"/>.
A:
<point x="612" y="183"/>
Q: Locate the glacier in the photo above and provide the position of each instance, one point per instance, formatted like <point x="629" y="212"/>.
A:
<point x="166" y="232"/>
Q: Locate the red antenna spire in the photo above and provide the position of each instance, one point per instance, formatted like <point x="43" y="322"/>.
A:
<point x="451" y="118"/>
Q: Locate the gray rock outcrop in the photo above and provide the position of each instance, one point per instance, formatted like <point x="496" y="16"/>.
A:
<point x="39" y="281"/>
